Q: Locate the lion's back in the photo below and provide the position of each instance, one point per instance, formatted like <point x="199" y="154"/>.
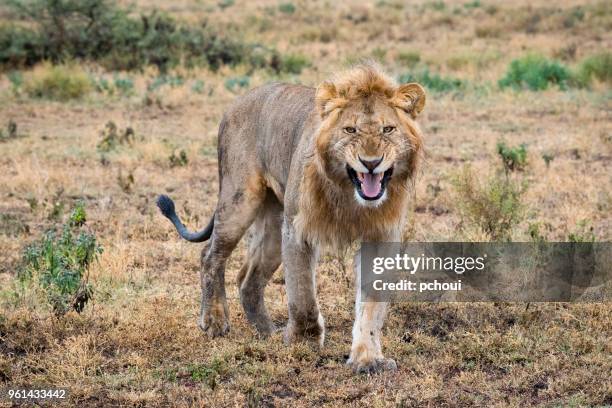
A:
<point x="265" y="125"/>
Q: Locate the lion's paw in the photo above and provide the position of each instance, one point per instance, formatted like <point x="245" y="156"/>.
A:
<point x="376" y="365"/>
<point x="214" y="322"/>
<point x="312" y="332"/>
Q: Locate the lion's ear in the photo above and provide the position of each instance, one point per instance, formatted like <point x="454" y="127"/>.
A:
<point x="325" y="96"/>
<point x="410" y="98"/>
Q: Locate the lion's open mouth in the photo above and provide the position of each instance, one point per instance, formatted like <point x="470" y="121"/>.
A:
<point x="369" y="186"/>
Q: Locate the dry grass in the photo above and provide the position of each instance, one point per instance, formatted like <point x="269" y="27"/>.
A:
<point x="138" y="342"/>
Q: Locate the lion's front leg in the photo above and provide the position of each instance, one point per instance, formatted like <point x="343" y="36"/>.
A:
<point x="299" y="260"/>
<point x="366" y="352"/>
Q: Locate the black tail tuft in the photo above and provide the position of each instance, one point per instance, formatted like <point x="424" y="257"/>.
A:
<point x="166" y="206"/>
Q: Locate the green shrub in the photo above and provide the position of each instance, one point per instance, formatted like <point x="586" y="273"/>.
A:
<point x="172" y="81"/>
<point x="597" y="66"/>
<point x="473" y="4"/>
<point x="513" y="158"/>
<point x="58" y="264"/>
<point x="287" y="8"/>
<point x="231" y="84"/>
<point x="494" y="205"/>
<point x="294" y="63"/>
<point x="99" y="30"/>
<point x="209" y="373"/>
<point x="19" y="46"/>
<point x="433" y="82"/>
<point x="536" y="73"/>
<point x="120" y="85"/>
<point x="59" y="82"/>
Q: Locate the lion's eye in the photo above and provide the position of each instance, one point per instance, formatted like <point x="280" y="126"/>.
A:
<point x="388" y="129"/>
<point x="350" y="129"/>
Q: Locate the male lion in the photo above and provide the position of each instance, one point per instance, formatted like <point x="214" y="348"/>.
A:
<point x="308" y="168"/>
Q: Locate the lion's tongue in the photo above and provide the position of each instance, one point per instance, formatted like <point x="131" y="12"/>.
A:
<point x="370" y="184"/>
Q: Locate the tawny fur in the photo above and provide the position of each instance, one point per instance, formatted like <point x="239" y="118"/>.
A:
<point x="287" y="166"/>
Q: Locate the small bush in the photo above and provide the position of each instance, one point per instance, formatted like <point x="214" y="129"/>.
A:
<point x="58" y="264"/>
<point x="495" y="205"/>
<point x="99" y="30"/>
<point x="58" y="82"/>
<point x="535" y="73"/>
<point x="294" y="63"/>
<point x="179" y="160"/>
<point x="287" y="8"/>
<point x="513" y="158"/>
<point x="433" y="82"/>
<point x="119" y="85"/>
<point x="210" y="374"/>
<point x="232" y="84"/>
<point x="473" y="4"/>
<point x="10" y="133"/>
<point x="596" y="66"/>
<point x="538" y="232"/>
<point x="19" y="46"/>
<point x="112" y="137"/>
<point x="582" y="233"/>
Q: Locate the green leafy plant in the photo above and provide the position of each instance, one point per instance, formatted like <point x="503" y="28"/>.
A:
<point x="59" y="263"/>
<point x="172" y="81"/>
<point x="433" y="82"/>
<point x="535" y="73"/>
<point x="294" y="63"/>
<point x="494" y="205"/>
<point x="119" y="85"/>
<point x="537" y="231"/>
<point x="234" y="83"/>
<point x="582" y="233"/>
<point x="102" y="31"/>
<point x="208" y="373"/>
<point x="287" y="8"/>
<point x="59" y="82"/>
<point x="597" y="66"/>
<point x="513" y="158"/>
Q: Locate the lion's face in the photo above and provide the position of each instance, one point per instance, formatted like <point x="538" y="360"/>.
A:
<point x="368" y="144"/>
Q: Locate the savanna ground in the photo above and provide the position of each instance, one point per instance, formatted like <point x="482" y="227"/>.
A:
<point x="137" y="342"/>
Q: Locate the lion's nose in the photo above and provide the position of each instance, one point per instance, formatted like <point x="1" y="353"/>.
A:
<point x="371" y="164"/>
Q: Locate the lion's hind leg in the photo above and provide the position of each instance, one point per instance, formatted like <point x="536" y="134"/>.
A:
<point x="238" y="206"/>
<point x="263" y="258"/>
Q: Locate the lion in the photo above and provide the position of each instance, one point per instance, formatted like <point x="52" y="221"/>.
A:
<point x="303" y="170"/>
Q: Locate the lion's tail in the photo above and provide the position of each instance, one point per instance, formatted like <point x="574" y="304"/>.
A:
<point x="166" y="206"/>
